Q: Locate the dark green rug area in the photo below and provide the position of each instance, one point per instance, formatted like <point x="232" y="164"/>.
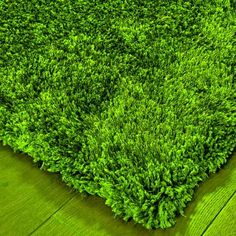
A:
<point x="134" y="101"/>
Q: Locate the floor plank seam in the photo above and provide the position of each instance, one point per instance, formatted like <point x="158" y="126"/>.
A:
<point x="50" y="216"/>
<point x="217" y="214"/>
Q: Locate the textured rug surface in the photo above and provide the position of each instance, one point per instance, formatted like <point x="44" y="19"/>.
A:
<point x="134" y="101"/>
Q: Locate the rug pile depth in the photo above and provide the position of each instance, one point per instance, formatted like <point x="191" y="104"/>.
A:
<point x="134" y="101"/>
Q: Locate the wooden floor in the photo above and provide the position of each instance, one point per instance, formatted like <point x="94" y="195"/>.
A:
<point x="34" y="202"/>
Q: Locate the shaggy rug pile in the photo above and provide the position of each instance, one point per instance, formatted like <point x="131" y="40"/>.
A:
<point x="134" y="101"/>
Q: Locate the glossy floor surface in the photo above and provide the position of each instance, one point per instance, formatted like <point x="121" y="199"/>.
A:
<point x="34" y="202"/>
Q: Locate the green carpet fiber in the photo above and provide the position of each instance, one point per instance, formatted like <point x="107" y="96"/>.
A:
<point x="134" y="101"/>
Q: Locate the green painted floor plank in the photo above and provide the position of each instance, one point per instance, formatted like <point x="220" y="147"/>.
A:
<point x="37" y="202"/>
<point x="28" y="195"/>
<point x="225" y="223"/>
<point x="210" y="198"/>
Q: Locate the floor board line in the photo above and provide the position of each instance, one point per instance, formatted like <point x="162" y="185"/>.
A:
<point x="51" y="216"/>
<point x="205" y="230"/>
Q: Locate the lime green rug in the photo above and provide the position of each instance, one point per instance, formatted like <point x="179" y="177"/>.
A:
<point x="134" y="101"/>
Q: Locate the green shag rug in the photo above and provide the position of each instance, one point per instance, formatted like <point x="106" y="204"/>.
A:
<point x="134" y="101"/>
